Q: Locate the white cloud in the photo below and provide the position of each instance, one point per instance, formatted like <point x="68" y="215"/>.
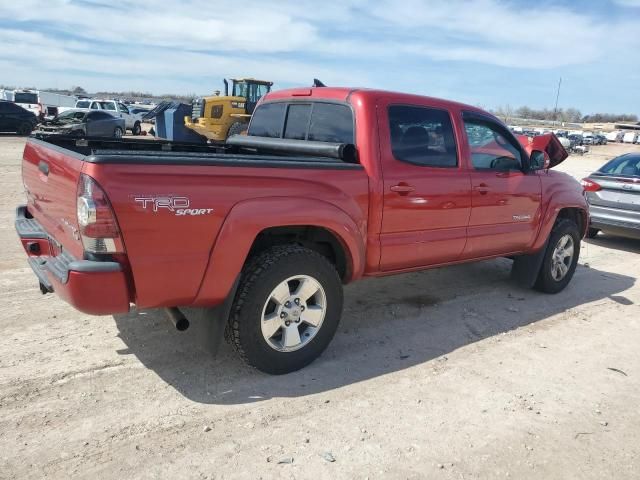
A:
<point x="171" y="44"/>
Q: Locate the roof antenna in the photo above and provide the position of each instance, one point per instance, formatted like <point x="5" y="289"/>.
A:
<point x="318" y="83"/>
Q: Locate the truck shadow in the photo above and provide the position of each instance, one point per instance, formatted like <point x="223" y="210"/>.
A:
<point x="631" y="245"/>
<point x="388" y="325"/>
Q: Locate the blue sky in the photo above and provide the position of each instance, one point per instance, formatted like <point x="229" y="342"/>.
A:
<point x="486" y="52"/>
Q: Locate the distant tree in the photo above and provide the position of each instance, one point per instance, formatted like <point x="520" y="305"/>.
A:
<point x="77" y="90"/>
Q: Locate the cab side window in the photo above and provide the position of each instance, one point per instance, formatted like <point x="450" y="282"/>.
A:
<point x="422" y="136"/>
<point x="491" y="147"/>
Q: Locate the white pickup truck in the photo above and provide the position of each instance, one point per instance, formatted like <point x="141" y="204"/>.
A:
<point x="117" y="109"/>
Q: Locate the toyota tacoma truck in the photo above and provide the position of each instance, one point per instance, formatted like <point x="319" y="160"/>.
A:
<point x="330" y="185"/>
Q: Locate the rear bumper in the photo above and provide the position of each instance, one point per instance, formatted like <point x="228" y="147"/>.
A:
<point x="623" y="222"/>
<point x="94" y="287"/>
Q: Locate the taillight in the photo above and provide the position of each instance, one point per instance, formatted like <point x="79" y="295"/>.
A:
<point x="590" y="185"/>
<point x="97" y="223"/>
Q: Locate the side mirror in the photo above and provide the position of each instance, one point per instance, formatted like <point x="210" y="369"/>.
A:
<point x="539" y="160"/>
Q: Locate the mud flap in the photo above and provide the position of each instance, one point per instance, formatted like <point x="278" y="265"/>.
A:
<point x="526" y="268"/>
<point x="209" y="323"/>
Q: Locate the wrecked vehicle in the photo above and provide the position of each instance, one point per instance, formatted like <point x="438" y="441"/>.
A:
<point x="79" y="123"/>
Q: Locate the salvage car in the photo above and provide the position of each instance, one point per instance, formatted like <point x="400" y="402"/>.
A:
<point x="331" y="185"/>
<point x="80" y="123"/>
<point x="613" y="194"/>
<point x="14" y="118"/>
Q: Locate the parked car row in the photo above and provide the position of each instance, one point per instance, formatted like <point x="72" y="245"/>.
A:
<point x="103" y="118"/>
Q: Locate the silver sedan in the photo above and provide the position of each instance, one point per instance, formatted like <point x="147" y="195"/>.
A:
<point x="613" y="193"/>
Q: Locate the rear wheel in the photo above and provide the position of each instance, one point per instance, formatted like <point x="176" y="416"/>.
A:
<point x="24" y="128"/>
<point x="287" y="309"/>
<point x="561" y="258"/>
<point x="236" y="129"/>
<point x="117" y="133"/>
<point x="137" y="129"/>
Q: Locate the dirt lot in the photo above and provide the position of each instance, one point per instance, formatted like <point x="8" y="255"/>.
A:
<point x="452" y="374"/>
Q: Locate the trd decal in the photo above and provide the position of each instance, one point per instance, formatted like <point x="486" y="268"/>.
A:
<point x="179" y="206"/>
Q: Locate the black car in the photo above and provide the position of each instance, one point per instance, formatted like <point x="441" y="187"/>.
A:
<point x="80" y="123"/>
<point x="14" y="118"/>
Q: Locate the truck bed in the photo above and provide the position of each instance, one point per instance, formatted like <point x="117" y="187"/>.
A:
<point x="173" y="256"/>
<point x="159" y="152"/>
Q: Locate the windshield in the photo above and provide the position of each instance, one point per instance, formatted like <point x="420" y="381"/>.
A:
<point x="239" y="89"/>
<point x="71" y="116"/>
<point x="26" y="97"/>
<point x="83" y="104"/>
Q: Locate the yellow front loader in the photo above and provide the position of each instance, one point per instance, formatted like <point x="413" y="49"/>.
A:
<point x="218" y="117"/>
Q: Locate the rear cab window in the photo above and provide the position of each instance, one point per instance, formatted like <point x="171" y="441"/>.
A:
<point x="316" y="121"/>
<point x="108" y="106"/>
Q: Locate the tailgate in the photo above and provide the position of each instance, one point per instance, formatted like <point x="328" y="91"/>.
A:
<point x="50" y="175"/>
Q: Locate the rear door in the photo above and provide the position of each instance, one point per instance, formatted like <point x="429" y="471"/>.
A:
<point x="427" y="190"/>
<point x="505" y="206"/>
<point x="98" y="123"/>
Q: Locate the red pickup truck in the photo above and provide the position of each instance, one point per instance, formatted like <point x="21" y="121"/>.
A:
<point x="329" y="186"/>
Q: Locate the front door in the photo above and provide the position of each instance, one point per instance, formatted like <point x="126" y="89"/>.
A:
<point x="427" y="196"/>
<point x="505" y="211"/>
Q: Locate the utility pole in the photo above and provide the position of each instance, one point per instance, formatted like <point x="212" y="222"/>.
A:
<point x="555" y="109"/>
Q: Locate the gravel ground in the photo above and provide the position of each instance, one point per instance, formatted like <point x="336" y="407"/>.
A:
<point x="452" y="373"/>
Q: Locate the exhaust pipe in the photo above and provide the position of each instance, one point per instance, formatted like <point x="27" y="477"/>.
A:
<point x="177" y="318"/>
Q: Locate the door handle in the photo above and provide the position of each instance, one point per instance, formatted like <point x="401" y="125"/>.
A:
<point x="482" y="189"/>
<point x="402" y="188"/>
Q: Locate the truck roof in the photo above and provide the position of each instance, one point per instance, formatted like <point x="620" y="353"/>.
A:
<point x="343" y="94"/>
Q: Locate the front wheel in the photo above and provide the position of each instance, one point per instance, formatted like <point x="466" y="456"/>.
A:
<point x="560" y="259"/>
<point x="286" y="310"/>
<point x="117" y="133"/>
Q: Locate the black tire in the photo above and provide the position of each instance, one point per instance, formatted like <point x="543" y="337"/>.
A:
<point x="236" y="129"/>
<point x="259" y="279"/>
<point x="117" y="132"/>
<point x="137" y="129"/>
<point x="592" y="232"/>
<point x="77" y="133"/>
<point x="545" y="281"/>
<point x="24" y="128"/>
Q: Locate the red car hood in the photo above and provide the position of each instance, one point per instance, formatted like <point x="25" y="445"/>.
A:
<point x="547" y="143"/>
